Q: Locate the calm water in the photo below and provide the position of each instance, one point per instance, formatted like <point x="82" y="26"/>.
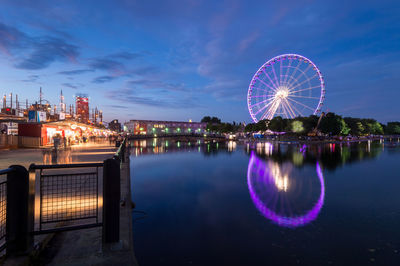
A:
<point x="266" y="204"/>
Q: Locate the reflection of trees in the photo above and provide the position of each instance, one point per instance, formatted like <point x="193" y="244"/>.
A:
<point x="331" y="155"/>
<point x="160" y="145"/>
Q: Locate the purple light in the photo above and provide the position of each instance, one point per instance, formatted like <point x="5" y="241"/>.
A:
<point x="285" y="221"/>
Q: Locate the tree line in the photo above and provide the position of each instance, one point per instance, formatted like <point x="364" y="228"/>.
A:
<point x="214" y="124"/>
<point x="331" y="124"/>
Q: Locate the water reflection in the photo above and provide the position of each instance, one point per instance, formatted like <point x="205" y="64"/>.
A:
<point x="280" y="195"/>
<point x="330" y="155"/>
<point x="161" y="145"/>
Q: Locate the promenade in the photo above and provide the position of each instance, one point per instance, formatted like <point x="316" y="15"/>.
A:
<point x="78" y="247"/>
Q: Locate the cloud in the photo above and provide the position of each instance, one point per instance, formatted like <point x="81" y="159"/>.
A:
<point x="114" y="63"/>
<point x="11" y="38"/>
<point x="118" y="106"/>
<point x="73" y="86"/>
<point x="157" y="84"/>
<point x="31" y="78"/>
<point x="75" y="72"/>
<point x="34" y="53"/>
<point x="246" y="42"/>
<point x="103" y="79"/>
<point x="131" y="96"/>
<point x="125" y="55"/>
<point x="47" y="50"/>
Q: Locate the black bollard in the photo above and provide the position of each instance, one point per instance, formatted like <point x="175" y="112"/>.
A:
<point x="20" y="209"/>
<point x="111" y="200"/>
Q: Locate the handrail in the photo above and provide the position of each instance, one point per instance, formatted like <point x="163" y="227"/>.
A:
<point x="6" y="171"/>
<point x="56" y="166"/>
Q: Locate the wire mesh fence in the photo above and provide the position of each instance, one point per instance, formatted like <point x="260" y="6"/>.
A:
<point x="3" y="207"/>
<point x="67" y="197"/>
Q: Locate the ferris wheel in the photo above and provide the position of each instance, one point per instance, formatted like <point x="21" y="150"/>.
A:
<point x="288" y="85"/>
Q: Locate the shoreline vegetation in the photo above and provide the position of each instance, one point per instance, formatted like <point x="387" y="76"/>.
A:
<point x="311" y="128"/>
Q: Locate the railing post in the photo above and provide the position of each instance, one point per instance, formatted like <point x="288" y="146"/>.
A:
<point x="111" y="200"/>
<point x="20" y="217"/>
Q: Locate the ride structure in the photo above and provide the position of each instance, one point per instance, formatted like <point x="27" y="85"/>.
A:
<point x="288" y="85"/>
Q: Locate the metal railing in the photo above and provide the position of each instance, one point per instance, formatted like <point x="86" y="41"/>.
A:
<point x="3" y="206"/>
<point x="68" y="197"/>
<point x="53" y="198"/>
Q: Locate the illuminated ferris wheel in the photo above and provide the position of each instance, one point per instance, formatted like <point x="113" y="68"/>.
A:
<point x="288" y="85"/>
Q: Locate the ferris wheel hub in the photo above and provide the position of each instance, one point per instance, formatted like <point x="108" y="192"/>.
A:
<point x="282" y="92"/>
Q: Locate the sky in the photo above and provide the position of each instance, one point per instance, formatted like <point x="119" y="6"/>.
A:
<point x="181" y="60"/>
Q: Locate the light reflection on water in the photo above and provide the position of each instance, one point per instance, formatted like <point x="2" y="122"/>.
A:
<point x="261" y="203"/>
<point x="270" y="185"/>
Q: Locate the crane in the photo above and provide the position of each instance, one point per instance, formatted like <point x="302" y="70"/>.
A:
<point x="314" y="132"/>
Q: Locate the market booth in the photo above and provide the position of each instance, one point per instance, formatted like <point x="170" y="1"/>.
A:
<point x="42" y="134"/>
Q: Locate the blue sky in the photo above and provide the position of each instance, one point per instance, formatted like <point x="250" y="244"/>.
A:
<point x="181" y="60"/>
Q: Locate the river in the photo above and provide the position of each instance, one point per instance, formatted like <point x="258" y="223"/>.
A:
<point x="264" y="203"/>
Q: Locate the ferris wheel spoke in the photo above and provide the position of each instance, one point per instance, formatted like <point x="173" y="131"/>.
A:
<point x="280" y="72"/>
<point x="307" y="97"/>
<point x="265" y="106"/>
<point x="286" y="110"/>
<point x="303" y="73"/>
<point x="301" y="83"/>
<point x="261" y="89"/>
<point x="305" y="89"/>
<point x="273" y="70"/>
<point x="273" y="84"/>
<point x="266" y="100"/>
<point x="293" y="107"/>
<point x="295" y="70"/>
<point x="262" y="81"/>
<point x="301" y="104"/>
<point x="294" y="81"/>
<point x="259" y="96"/>
<point x="290" y="108"/>
<point x="287" y="70"/>
<point x="271" y="111"/>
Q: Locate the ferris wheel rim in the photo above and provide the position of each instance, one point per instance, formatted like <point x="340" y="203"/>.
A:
<point x="273" y="60"/>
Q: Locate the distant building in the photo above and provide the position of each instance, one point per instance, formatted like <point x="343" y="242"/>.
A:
<point x="114" y="125"/>
<point x="82" y="108"/>
<point x="146" y="127"/>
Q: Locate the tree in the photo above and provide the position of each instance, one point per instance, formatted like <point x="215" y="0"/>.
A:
<point x="355" y="125"/>
<point x="345" y="130"/>
<point x="215" y="120"/>
<point x="206" y="119"/>
<point x="249" y="127"/>
<point x="376" y="128"/>
<point x="297" y="126"/>
<point x="334" y="124"/>
<point x="277" y="124"/>
<point x="393" y="128"/>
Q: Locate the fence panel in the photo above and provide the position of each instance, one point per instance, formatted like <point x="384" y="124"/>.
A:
<point x="69" y="196"/>
<point x="3" y="206"/>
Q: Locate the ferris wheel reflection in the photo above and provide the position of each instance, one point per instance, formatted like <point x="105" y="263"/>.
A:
<point x="282" y="196"/>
